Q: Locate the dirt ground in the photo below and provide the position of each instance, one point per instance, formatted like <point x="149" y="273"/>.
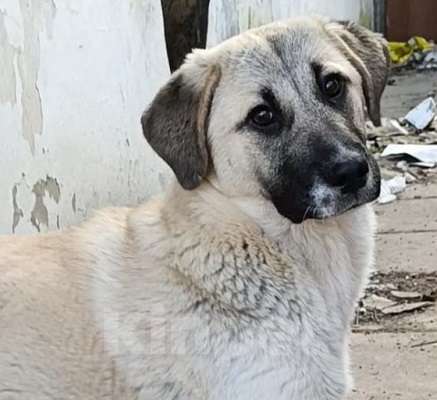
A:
<point x="395" y="356"/>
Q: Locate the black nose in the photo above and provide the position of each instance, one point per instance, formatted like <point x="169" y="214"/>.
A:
<point x="349" y="175"/>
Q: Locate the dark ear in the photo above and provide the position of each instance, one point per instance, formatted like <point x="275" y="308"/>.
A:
<point x="175" y="124"/>
<point x="368" y="53"/>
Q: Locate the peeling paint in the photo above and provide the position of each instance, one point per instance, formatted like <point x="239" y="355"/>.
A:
<point x="38" y="130"/>
<point x="37" y="15"/>
<point x="8" y="81"/>
<point x="53" y="189"/>
<point x="18" y="212"/>
<point x="73" y="203"/>
<point x="40" y="214"/>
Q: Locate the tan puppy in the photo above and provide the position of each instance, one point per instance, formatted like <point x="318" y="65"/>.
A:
<point x="235" y="285"/>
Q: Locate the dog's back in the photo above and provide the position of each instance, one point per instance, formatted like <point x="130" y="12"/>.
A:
<point x="50" y="346"/>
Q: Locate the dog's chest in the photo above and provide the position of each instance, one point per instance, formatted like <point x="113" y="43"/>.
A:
<point x="273" y="366"/>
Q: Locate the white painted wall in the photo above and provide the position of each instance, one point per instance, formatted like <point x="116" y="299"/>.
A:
<point x="75" y="76"/>
<point x="229" y="17"/>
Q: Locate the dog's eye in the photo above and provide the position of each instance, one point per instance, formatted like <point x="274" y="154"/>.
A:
<point x="262" y="116"/>
<point x="332" y="86"/>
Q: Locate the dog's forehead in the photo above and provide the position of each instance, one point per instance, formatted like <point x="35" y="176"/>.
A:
<point x="283" y="50"/>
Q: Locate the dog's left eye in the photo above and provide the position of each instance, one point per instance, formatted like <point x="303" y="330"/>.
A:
<point x="262" y="116"/>
<point x="332" y="86"/>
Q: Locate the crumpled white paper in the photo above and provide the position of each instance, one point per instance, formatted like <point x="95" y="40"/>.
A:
<point x="423" y="114"/>
<point x="390" y="188"/>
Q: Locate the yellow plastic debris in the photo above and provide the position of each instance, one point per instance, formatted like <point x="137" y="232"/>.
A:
<point x="401" y="52"/>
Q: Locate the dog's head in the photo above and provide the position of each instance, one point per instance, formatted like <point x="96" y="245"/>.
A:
<point x="277" y="112"/>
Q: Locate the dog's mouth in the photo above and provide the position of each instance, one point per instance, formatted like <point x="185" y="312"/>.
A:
<point x="321" y="201"/>
<point x="337" y="209"/>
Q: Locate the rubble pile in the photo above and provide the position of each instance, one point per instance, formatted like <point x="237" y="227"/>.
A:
<point x="406" y="148"/>
<point x="418" y="53"/>
<point x="395" y="294"/>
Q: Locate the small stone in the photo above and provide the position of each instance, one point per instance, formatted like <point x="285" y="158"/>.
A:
<point x="401" y="308"/>
<point x="390" y="286"/>
<point x="406" y="295"/>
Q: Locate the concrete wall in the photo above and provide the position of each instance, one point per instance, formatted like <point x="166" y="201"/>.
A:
<point x="229" y="17"/>
<point x="75" y="76"/>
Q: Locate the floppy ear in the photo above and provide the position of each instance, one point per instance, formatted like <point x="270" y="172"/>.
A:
<point x="175" y="124"/>
<point x="368" y="53"/>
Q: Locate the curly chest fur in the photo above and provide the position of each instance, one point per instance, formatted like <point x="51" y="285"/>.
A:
<point x="246" y="315"/>
<point x="274" y="321"/>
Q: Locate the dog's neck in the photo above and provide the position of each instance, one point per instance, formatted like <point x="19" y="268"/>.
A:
<point x="262" y="212"/>
<point x="314" y="244"/>
<point x="210" y="199"/>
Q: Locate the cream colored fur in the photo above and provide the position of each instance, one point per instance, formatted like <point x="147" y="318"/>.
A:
<point x="165" y="301"/>
<point x="208" y="294"/>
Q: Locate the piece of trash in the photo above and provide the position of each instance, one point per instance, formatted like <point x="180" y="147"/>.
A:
<point x="400" y="129"/>
<point x="429" y="61"/>
<point x="390" y="188"/>
<point x="389" y="127"/>
<point x="423" y="114"/>
<point x="404" y="52"/>
<point x="375" y="302"/>
<point x="423" y="164"/>
<point x="407" y="307"/>
<point x="406" y="295"/>
<point x="426" y="153"/>
<point x="431" y="57"/>
<point x="402" y="165"/>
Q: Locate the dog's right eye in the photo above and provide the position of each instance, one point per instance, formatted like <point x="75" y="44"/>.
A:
<point x="262" y="116"/>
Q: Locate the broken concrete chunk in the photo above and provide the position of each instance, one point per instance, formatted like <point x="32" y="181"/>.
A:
<point x="407" y="307"/>
<point x="375" y="302"/>
<point x="410" y="178"/>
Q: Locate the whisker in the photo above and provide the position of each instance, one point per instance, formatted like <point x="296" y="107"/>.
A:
<point x="308" y="209"/>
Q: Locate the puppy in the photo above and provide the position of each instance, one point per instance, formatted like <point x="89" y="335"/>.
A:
<point x="240" y="282"/>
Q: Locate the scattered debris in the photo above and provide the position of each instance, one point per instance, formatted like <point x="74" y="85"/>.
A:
<point x="402" y="149"/>
<point x="421" y="153"/>
<point x="429" y="62"/>
<point x="423" y="114"/>
<point x="390" y="188"/>
<point x="417" y="53"/>
<point x="394" y="294"/>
